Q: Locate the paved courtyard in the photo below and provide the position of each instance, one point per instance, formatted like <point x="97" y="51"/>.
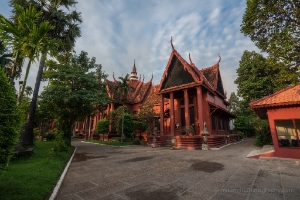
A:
<point x="112" y="173"/>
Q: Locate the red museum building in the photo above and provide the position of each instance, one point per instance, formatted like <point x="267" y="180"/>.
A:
<point x="282" y="109"/>
<point x="185" y="97"/>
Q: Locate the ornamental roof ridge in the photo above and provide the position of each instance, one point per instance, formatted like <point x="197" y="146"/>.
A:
<point x="191" y="69"/>
<point x="214" y="71"/>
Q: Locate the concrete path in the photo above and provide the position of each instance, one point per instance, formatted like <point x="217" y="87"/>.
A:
<point x="112" y="173"/>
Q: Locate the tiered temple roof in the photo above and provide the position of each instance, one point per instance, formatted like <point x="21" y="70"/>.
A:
<point x="208" y="77"/>
<point x="189" y="75"/>
<point x="135" y="95"/>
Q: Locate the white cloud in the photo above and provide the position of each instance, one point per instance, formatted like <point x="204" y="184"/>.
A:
<point x="117" y="32"/>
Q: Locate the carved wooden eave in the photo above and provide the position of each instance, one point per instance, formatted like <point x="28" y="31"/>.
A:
<point x="214" y="83"/>
<point x="191" y="69"/>
<point x="180" y="87"/>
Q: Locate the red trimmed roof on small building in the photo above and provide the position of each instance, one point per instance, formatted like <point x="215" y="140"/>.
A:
<point x="289" y="96"/>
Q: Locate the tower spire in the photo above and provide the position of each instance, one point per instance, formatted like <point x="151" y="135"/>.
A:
<point x="133" y="75"/>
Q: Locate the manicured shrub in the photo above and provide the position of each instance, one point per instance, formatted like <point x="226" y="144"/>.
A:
<point x="128" y="128"/>
<point x="102" y="127"/>
<point x="50" y="136"/>
<point x="10" y="121"/>
<point x="136" y="141"/>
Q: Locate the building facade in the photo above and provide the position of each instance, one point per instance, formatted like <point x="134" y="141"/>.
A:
<point x="185" y="97"/>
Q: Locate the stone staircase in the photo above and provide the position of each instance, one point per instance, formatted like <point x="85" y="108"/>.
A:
<point x="168" y="142"/>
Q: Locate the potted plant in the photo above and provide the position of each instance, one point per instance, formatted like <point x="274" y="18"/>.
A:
<point x="188" y="130"/>
<point x="102" y="128"/>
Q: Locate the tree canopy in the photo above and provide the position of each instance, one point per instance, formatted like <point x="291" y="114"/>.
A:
<point x="74" y="91"/>
<point x="257" y="77"/>
<point x="274" y="26"/>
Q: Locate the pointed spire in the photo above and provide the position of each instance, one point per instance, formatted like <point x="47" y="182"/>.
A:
<point x="172" y="44"/>
<point x="114" y="76"/>
<point x="133" y="75"/>
<point x="134" y="68"/>
<point x="191" y="62"/>
<point x="219" y="58"/>
<point x="151" y="78"/>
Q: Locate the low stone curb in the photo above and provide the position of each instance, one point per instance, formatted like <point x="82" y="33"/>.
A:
<point x="110" y="145"/>
<point x="58" y="185"/>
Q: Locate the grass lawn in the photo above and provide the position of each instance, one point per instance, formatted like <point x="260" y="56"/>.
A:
<point x="110" y="143"/>
<point x="35" y="177"/>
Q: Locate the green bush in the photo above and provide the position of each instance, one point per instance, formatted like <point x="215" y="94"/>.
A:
<point x="50" y="136"/>
<point x="136" y="141"/>
<point x="102" y="127"/>
<point x="241" y="134"/>
<point x="10" y="121"/>
<point x="115" y="139"/>
<point x="263" y="134"/>
<point x="60" y="143"/>
<point x="128" y="128"/>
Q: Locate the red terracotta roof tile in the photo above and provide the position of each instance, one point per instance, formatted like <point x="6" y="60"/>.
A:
<point x="287" y="96"/>
<point x="136" y="95"/>
<point x="152" y="97"/>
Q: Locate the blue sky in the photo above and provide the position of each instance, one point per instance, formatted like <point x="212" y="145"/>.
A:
<point x="117" y="32"/>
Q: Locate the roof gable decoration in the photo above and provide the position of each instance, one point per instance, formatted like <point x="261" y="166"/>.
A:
<point x="187" y="67"/>
<point x="212" y="76"/>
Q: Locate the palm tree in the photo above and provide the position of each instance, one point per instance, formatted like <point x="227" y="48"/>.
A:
<point x="36" y="41"/>
<point x="26" y="37"/>
<point x="5" y="57"/>
<point x="66" y="30"/>
<point x="123" y="87"/>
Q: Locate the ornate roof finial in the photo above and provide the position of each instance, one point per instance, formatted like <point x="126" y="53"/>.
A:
<point x="191" y="62"/>
<point x="133" y="75"/>
<point x="114" y="76"/>
<point x="151" y="78"/>
<point x="219" y="58"/>
<point x="134" y="68"/>
<point x="172" y="44"/>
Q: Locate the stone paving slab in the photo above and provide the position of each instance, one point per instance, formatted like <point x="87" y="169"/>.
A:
<point x="112" y="173"/>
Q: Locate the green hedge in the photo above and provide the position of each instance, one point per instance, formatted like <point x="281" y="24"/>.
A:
<point x="10" y="121"/>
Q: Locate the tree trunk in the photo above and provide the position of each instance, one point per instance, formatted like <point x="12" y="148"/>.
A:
<point x="28" y="134"/>
<point x="21" y="92"/>
<point x="122" y="125"/>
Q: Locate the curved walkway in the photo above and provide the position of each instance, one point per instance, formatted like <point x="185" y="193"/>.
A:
<point x="111" y="173"/>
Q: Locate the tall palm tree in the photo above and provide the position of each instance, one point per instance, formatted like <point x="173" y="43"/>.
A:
<point x="26" y="36"/>
<point x="5" y="57"/>
<point x="66" y="30"/>
<point x="123" y="87"/>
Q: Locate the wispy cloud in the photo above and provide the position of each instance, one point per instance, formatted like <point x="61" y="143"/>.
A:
<point x="117" y="32"/>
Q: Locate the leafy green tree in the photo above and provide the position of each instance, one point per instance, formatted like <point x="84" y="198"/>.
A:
<point x="5" y="56"/>
<point x="254" y="80"/>
<point x="146" y="116"/>
<point x="102" y="127"/>
<point x="234" y="106"/>
<point x="243" y="124"/>
<point x="66" y="30"/>
<point x="126" y="125"/>
<point x="123" y="87"/>
<point x="10" y="122"/>
<point x="115" y="115"/>
<point x="274" y="27"/>
<point x="73" y="92"/>
<point x="140" y="127"/>
<point x="262" y="131"/>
